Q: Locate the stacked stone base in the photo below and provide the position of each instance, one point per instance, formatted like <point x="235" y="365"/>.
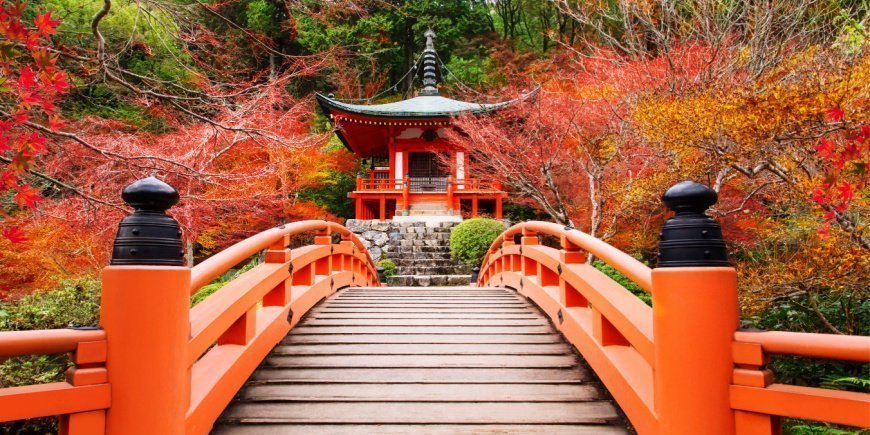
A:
<point x="421" y="251"/>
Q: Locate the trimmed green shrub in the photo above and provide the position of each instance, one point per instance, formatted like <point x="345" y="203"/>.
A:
<point x="623" y="281"/>
<point x="470" y="240"/>
<point x="389" y="267"/>
<point x="208" y="289"/>
<point x="75" y="302"/>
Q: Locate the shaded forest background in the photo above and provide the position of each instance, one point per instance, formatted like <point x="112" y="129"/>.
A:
<point x="765" y="101"/>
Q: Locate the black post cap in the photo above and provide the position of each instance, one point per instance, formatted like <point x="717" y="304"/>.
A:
<point x="148" y="236"/>
<point x="475" y="273"/>
<point x="691" y="238"/>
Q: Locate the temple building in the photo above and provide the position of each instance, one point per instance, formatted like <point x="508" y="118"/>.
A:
<point x="414" y="170"/>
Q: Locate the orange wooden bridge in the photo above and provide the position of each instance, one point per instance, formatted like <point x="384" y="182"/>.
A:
<point x="310" y="341"/>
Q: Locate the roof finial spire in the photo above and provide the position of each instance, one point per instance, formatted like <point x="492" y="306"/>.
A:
<point x="430" y="39"/>
<point x="430" y="77"/>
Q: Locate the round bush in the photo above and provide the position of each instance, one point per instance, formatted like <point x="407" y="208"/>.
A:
<point x="389" y="267"/>
<point x="470" y="240"/>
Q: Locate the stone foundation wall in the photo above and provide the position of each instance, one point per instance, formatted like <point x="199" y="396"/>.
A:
<point x="384" y="239"/>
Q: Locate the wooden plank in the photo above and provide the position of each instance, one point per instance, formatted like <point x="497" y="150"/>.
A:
<point x="422" y="375"/>
<point x="434" y="429"/>
<point x="433" y="288"/>
<point x="317" y="322"/>
<point x="423" y="338"/>
<point x="428" y="305"/>
<point x="425" y="296"/>
<point x="487" y="310"/>
<point x="459" y="295"/>
<point x="474" y="330"/>
<point x="370" y="315"/>
<point x="440" y="299"/>
<point x="422" y="349"/>
<point x="494" y="361"/>
<point x="420" y="393"/>
<point x="423" y="412"/>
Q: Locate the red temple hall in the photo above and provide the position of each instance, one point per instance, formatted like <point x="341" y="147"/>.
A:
<point x="407" y="146"/>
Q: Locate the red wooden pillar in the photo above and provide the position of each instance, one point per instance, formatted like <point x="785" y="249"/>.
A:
<point x="498" y="210"/>
<point x="450" y="194"/>
<point x="406" y="193"/>
<point x="382" y="208"/>
<point x="474" y="205"/>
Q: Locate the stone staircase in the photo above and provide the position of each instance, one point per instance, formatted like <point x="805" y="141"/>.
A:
<point x="420" y="249"/>
<point x="422" y="256"/>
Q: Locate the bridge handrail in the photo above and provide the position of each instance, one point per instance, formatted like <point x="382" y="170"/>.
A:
<point x="218" y="264"/>
<point x="80" y="400"/>
<point x="685" y="367"/>
<point x="629" y="266"/>
<point x="45" y="341"/>
<point x="810" y="345"/>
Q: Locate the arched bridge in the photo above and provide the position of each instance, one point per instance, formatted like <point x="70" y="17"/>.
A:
<point x="310" y="341"/>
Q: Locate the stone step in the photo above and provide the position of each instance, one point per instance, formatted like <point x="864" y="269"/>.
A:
<point x="429" y="249"/>
<point x="412" y="262"/>
<point x="425" y="230"/>
<point x="421" y="242"/>
<point x="428" y="280"/>
<point x="434" y="270"/>
<point x="407" y="237"/>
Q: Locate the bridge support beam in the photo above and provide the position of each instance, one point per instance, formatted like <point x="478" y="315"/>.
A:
<point x="695" y="314"/>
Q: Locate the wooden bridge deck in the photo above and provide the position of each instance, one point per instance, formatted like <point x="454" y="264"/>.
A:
<point x="422" y="360"/>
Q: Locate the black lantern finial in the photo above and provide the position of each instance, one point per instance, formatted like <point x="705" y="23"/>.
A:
<point x="382" y="275"/>
<point x="148" y="236"/>
<point x="691" y="238"/>
<point x="475" y="273"/>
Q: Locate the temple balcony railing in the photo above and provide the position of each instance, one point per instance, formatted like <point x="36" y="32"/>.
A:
<point x="426" y="185"/>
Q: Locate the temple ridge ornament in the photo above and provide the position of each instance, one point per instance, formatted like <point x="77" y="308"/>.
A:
<point x="148" y="236"/>
<point x="430" y="61"/>
<point x="691" y="238"/>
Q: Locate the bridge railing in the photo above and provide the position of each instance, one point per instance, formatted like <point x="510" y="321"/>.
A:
<point x="81" y="400"/>
<point x="680" y="366"/>
<point x="160" y="366"/>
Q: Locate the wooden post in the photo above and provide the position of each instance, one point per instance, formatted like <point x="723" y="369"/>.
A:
<point x="145" y="313"/>
<point x="406" y="194"/>
<point x="382" y="208"/>
<point x="450" y="194"/>
<point x="498" y="209"/>
<point x="568" y="295"/>
<point x="474" y="205"/>
<point x="695" y="315"/>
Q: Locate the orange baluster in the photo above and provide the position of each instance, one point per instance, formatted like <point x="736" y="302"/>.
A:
<point x="694" y="317"/>
<point x="145" y="313"/>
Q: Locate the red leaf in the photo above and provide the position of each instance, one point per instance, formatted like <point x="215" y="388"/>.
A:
<point x="14" y="234"/>
<point x="835" y="114"/>
<point x="45" y="24"/>
<point x="845" y="191"/>
<point x="8" y="180"/>
<point x="27" y="196"/>
<point x="26" y="78"/>
<point x="55" y="123"/>
<point x="825" y="148"/>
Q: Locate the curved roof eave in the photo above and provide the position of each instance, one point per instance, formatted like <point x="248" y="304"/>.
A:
<point x="417" y="107"/>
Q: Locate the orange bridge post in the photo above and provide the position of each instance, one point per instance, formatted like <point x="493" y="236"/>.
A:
<point x="145" y="313"/>
<point x="695" y="314"/>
